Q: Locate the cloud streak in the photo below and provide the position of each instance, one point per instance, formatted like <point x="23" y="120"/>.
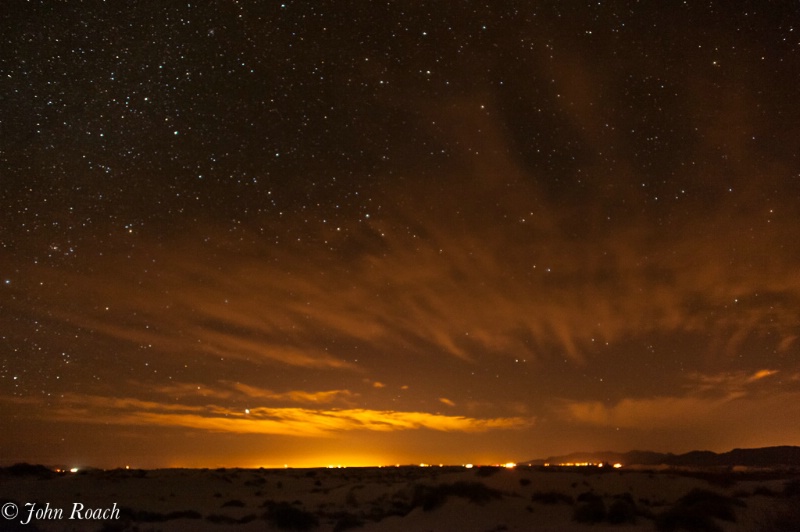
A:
<point x="716" y="400"/>
<point x="287" y="421"/>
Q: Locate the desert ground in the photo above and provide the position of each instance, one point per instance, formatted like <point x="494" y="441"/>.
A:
<point x="484" y="499"/>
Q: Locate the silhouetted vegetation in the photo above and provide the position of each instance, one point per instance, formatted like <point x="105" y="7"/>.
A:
<point x="764" y="491"/>
<point x="234" y="503"/>
<point x="711" y="503"/>
<point x="145" y="516"/>
<point x="590" y="508"/>
<point x="487" y="471"/>
<point x="785" y="519"/>
<point x="431" y="497"/>
<point x="697" y="510"/>
<point x="621" y="511"/>
<point x="347" y="521"/>
<point x="287" y="517"/>
<point x="552" y="497"/>
<point x="792" y="488"/>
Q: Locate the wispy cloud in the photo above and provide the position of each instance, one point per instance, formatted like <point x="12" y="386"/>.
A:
<point x="646" y="413"/>
<point x="727" y="382"/>
<point x="460" y="278"/>
<point x="707" y="401"/>
<point x="292" y="421"/>
<point x="241" y="391"/>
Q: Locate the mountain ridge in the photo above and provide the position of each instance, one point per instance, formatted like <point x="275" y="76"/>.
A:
<point x="776" y="456"/>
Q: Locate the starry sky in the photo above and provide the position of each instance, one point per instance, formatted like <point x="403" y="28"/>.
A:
<point x="239" y="233"/>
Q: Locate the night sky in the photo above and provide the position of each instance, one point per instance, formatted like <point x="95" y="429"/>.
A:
<point x="243" y="233"/>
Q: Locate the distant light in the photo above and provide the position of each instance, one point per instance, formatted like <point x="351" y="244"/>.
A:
<point x="127" y="467"/>
<point x="73" y="470"/>
<point x="617" y="465"/>
<point x="468" y="466"/>
<point x="510" y="465"/>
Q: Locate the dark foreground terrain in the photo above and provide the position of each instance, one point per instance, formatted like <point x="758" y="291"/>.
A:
<point x="400" y="499"/>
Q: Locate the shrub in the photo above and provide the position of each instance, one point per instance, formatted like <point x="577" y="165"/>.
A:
<point x="764" y="491"/>
<point x="685" y="518"/>
<point x="590" y="509"/>
<point x="487" y="471"/>
<point x="234" y="503"/>
<point x="552" y="497"/>
<point x="711" y="503"/>
<point x="621" y="511"/>
<point x="286" y="517"/>
<point x="219" y="519"/>
<point x="431" y="497"/>
<point x="351" y="499"/>
<point x="696" y="511"/>
<point x="346" y="522"/>
<point x="792" y="488"/>
<point x="784" y="519"/>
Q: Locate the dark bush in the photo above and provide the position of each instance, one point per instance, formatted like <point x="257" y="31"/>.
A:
<point x="590" y="508"/>
<point x="346" y="522"/>
<point x="685" y="518"/>
<point x="487" y="471"/>
<point x="764" y="491"/>
<point x="286" y="517"/>
<point x="183" y="514"/>
<point x="552" y="497"/>
<point x="696" y="511"/>
<point x="621" y="511"/>
<point x="234" y="503"/>
<point x="219" y="519"/>
<point x="146" y="516"/>
<point x="711" y="503"/>
<point x="431" y="497"/>
<point x="784" y="519"/>
<point x="792" y="488"/>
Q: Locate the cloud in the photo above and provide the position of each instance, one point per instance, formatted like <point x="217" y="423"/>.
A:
<point x="292" y="421"/>
<point x="446" y="401"/>
<point x="727" y="382"/>
<point x="716" y="400"/>
<point x="761" y="374"/>
<point x="457" y="276"/>
<point x="244" y="392"/>
<point x="649" y="413"/>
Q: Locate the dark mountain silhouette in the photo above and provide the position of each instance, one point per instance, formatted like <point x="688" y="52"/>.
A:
<point x="782" y="456"/>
